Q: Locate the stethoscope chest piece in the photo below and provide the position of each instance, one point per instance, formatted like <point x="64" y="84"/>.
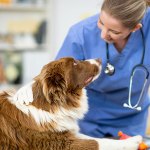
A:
<point x="110" y="69"/>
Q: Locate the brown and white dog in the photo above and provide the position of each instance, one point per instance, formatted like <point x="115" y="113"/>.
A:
<point x="49" y="122"/>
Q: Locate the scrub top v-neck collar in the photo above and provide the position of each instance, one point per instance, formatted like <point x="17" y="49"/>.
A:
<point x="128" y="47"/>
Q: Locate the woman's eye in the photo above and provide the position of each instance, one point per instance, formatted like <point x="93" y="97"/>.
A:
<point x="115" y="32"/>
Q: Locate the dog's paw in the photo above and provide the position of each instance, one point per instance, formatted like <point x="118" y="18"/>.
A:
<point x="131" y="143"/>
<point x="24" y="95"/>
<point x="127" y="144"/>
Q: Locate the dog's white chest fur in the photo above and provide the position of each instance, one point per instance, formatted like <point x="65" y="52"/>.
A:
<point x="65" y="119"/>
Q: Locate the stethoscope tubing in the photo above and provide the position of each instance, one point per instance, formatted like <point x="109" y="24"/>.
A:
<point x="130" y="88"/>
<point x="141" y="65"/>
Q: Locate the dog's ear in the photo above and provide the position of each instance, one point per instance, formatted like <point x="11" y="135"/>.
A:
<point x="54" y="88"/>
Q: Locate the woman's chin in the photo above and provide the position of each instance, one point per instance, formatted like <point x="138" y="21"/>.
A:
<point x="109" y="41"/>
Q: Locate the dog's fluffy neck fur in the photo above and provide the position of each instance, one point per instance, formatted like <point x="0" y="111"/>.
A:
<point x="50" y="116"/>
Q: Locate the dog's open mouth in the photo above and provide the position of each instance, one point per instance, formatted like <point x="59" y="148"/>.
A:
<point x="89" y="80"/>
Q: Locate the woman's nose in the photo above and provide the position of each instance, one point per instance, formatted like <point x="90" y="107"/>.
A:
<point x="104" y="34"/>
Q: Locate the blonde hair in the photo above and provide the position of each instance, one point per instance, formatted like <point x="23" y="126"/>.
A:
<point x="128" y="12"/>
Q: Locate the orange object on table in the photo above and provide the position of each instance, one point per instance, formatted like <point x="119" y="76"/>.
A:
<point x="122" y="136"/>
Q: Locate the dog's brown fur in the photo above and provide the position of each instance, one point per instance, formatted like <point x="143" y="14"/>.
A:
<point x="59" y="84"/>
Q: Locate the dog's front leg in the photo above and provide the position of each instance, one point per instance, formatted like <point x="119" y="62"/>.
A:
<point x="84" y="144"/>
<point x="107" y="144"/>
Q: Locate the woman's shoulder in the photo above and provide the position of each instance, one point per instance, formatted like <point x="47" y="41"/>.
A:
<point x="87" y="23"/>
<point x="146" y="18"/>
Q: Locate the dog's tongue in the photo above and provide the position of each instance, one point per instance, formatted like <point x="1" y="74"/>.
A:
<point x="89" y="80"/>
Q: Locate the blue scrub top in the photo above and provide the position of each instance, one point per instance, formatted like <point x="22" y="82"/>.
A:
<point x="107" y="94"/>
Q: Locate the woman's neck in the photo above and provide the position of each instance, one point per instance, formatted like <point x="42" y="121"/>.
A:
<point x="119" y="45"/>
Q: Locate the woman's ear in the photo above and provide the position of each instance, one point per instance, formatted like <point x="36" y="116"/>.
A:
<point x="137" y="27"/>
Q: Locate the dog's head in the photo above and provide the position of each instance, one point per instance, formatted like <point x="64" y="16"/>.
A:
<point x="63" y="78"/>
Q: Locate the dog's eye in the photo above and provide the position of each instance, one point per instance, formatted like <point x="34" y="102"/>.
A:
<point x="75" y="62"/>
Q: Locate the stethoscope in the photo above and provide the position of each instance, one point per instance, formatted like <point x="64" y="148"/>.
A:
<point x="110" y="70"/>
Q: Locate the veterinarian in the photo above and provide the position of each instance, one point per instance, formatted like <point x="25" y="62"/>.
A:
<point x="120" y="36"/>
<point x="125" y="26"/>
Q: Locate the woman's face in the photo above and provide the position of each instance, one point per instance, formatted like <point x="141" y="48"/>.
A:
<point x="112" y="31"/>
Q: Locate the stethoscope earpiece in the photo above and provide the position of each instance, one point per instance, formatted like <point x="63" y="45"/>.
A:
<point x="110" y="69"/>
